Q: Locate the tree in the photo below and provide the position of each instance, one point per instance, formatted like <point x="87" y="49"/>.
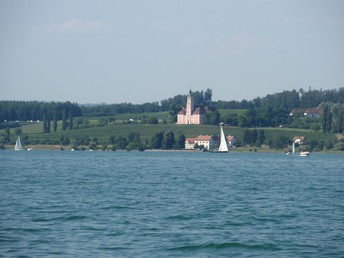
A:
<point x="55" y="121"/>
<point x="7" y="135"/>
<point x="247" y="137"/>
<point x="168" y="140"/>
<point x="153" y="120"/>
<point x="254" y="137"/>
<point x="208" y="95"/>
<point x="242" y="121"/>
<point x="156" y="141"/>
<point x="18" y="131"/>
<point x="48" y="123"/>
<point x="44" y="122"/>
<point x="279" y="142"/>
<point x="261" y="138"/>
<point x="64" y="120"/>
<point x="121" y="142"/>
<point x="329" y="121"/>
<point x="212" y="117"/>
<point x="180" y="142"/>
<point x="70" y="117"/>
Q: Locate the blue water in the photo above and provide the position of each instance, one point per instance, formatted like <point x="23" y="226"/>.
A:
<point x="170" y="204"/>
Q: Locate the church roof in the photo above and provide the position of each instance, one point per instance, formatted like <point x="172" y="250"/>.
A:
<point x="182" y="111"/>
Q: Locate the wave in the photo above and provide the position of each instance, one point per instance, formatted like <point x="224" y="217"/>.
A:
<point x="227" y="245"/>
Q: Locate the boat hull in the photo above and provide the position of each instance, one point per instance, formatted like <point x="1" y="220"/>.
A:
<point x="304" y="153"/>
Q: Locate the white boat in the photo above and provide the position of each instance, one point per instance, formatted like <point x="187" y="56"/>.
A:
<point x="223" y="148"/>
<point x="18" y="145"/>
<point x="304" y="153"/>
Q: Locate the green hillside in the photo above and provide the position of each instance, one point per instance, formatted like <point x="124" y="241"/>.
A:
<point x="147" y="131"/>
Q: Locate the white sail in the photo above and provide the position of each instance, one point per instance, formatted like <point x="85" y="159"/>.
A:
<point x="293" y="150"/>
<point x="18" y="145"/>
<point x="223" y="143"/>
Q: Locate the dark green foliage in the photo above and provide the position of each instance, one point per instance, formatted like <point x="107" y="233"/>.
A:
<point x="254" y="137"/>
<point x="64" y="140"/>
<point x="261" y="138"/>
<point x="231" y="119"/>
<point x="34" y="110"/>
<point x="156" y="141"/>
<point x="70" y="123"/>
<point x="7" y="135"/>
<point x="93" y="144"/>
<point x="18" y="131"/>
<point x="279" y="142"/>
<point x="46" y="123"/>
<point x="153" y="120"/>
<point x="212" y="117"/>
<point x="55" y="121"/>
<point x="121" y="142"/>
<point x="180" y="143"/>
<point x="64" y="120"/>
<point x="168" y="140"/>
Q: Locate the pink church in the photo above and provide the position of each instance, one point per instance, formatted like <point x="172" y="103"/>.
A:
<point x="190" y="114"/>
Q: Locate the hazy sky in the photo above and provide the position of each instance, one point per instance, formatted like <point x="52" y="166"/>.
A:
<point x="115" y="51"/>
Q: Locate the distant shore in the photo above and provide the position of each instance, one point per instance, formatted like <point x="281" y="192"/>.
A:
<point x="245" y="149"/>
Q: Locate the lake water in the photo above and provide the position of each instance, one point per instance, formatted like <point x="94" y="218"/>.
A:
<point x="170" y="204"/>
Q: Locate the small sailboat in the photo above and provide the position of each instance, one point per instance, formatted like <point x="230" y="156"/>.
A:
<point x="223" y="148"/>
<point x="304" y="153"/>
<point x="18" y="145"/>
<point x="292" y="150"/>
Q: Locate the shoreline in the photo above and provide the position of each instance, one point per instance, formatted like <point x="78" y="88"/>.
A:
<point x="236" y="150"/>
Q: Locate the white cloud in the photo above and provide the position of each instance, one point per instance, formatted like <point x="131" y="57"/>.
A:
<point x="71" y="26"/>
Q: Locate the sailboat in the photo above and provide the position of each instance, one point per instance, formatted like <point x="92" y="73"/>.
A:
<point x="292" y="150"/>
<point x="18" y="145"/>
<point x="223" y="148"/>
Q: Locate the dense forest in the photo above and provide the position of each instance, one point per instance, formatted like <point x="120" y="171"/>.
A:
<point x="270" y="111"/>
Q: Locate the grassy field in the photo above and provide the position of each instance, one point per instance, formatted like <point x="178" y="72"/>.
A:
<point x="147" y="131"/>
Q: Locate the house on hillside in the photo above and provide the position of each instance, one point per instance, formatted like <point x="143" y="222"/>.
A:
<point x="190" y="143"/>
<point x="190" y="114"/>
<point x="297" y="112"/>
<point x="208" y="142"/>
<point x="313" y="113"/>
<point x="298" y="139"/>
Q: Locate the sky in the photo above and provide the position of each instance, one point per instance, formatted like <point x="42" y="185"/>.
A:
<point x="115" y="51"/>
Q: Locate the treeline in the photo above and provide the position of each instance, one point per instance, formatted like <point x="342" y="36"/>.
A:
<point x="288" y="99"/>
<point x="35" y="110"/>
<point x="163" y="140"/>
<point x="270" y="111"/>
<point x="274" y="110"/>
<point x="173" y="105"/>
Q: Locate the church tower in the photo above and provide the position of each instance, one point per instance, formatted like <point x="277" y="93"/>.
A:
<point x="189" y="107"/>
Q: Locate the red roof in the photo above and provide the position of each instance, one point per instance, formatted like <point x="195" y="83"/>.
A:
<point x="313" y="111"/>
<point x="203" y="138"/>
<point x="190" y="140"/>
